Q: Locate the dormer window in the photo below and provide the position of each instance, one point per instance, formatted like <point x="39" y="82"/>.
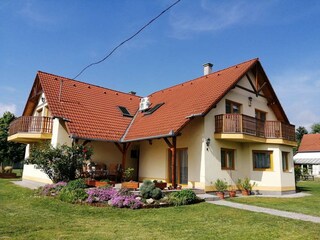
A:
<point x="153" y="109"/>
<point x="125" y="111"/>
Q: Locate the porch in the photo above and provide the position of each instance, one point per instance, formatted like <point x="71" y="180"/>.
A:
<point x="28" y="129"/>
<point x="243" y="128"/>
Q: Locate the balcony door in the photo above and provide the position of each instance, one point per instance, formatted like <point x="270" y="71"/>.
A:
<point x="232" y="121"/>
<point x="181" y="166"/>
<point x="260" y="123"/>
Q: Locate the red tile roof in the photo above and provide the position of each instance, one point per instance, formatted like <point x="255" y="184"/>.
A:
<point x="92" y="111"/>
<point x="194" y="97"/>
<point x="310" y="143"/>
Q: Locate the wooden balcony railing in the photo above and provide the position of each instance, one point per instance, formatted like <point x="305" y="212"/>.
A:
<point x="30" y="124"/>
<point x="239" y="123"/>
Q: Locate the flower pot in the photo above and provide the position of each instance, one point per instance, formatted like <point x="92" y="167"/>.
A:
<point x="245" y="192"/>
<point x="91" y="183"/>
<point x="130" y="185"/>
<point x="232" y="193"/>
<point x="220" y="195"/>
<point x="161" y="185"/>
<point x="100" y="184"/>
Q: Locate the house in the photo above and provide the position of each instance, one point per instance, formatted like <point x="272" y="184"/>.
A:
<point x="226" y="124"/>
<point x="308" y="155"/>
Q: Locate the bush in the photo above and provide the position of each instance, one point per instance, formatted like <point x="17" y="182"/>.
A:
<point x="75" y="184"/>
<point x="51" y="189"/>
<point x="100" y="194"/>
<point x="60" y="163"/>
<point x="149" y="190"/>
<point x="183" y="197"/>
<point x="73" y="195"/>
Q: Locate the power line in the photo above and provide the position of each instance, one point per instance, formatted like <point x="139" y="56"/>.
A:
<point x="128" y="39"/>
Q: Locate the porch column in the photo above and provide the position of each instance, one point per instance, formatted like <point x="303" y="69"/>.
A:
<point x="173" y="149"/>
<point x="123" y="150"/>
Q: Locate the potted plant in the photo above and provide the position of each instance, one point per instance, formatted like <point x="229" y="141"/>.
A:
<point x="128" y="183"/>
<point x="232" y="191"/>
<point x="221" y="186"/>
<point x="245" y="186"/>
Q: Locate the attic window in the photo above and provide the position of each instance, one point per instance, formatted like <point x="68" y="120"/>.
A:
<point x="125" y="111"/>
<point x="152" y="110"/>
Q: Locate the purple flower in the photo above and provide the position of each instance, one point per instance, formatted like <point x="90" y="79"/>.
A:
<point x="100" y="194"/>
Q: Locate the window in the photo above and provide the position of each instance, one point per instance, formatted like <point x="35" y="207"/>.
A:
<point x="227" y="159"/>
<point x="261" y="115"/>
<point x="285" y="161"/>
<point x="232" y="107"/>
<point x="152" y="110"/>
<point x="262" y="160"/>
<point x="124" y="111"/>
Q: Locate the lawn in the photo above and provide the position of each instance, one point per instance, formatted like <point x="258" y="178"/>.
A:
<point x="26" y="216"/>
<point x="307" y="205"/>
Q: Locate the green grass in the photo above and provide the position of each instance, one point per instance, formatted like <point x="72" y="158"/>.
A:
<point x="307" y="205"/>
<point x="26" y="216"/>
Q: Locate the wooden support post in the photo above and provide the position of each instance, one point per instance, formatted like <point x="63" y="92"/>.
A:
<point x="173" y="149"/>
<point x="123" y="150"/>
<point x="174" y="160"/>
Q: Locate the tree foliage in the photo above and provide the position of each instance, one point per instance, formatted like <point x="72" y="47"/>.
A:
<point x="60" y="163"/>
<point x="300" y="131"/>
<point x="315" y="128"/>
<point x="10" y="152"/>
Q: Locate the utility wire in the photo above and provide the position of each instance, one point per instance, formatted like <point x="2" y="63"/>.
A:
<point x="128" y="39"/>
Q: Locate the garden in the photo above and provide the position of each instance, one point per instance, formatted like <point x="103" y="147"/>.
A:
<point x="148" y="196"/>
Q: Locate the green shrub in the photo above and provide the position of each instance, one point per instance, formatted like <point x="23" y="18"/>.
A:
<point x="61" y="163"/>
<point x="73" y="195"/>
<point x="75" y="184"/>
<point x="148" y="190"/>
<point x="183" y="197"/>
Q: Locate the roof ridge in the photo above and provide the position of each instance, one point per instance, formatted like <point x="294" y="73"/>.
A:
<point x="95" y="85"/>
<point x="203" y="76"/>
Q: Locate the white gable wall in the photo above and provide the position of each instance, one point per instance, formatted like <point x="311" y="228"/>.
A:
<point x="275" y="180"/>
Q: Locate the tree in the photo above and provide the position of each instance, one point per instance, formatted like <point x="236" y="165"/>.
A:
<point x="300" y="131"/>
<point x="60" y="163"/>
<point x="10" y="152"/>
<point x="315" y="128"/>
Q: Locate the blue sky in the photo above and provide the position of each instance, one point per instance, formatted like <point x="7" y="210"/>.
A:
<point x="62" y="37"/>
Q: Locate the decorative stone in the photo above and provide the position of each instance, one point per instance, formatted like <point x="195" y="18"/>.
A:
<point x="150" y="201"/>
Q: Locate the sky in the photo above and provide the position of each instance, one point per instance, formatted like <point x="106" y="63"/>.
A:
<point x="62" y="37"/>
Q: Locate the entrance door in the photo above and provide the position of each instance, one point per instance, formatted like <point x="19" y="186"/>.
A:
<point x="181" y="166"/>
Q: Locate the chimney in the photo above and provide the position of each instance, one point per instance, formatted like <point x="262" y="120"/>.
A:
<point x="207" y="68"/>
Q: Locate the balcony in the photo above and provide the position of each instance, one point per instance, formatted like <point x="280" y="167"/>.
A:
<point x="243" y="128"/>
<point x="28" y="129"/>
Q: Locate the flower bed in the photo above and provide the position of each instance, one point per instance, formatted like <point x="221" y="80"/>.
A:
<point x="149" y="197"/>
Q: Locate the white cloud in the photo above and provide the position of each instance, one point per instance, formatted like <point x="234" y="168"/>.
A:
<point x="298" y="91"/>
<point x="7" y="107"/>
<point x="212" y="16"/>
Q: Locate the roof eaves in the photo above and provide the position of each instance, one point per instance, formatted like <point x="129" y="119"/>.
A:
<point x="171" y="134"/>
<point x="74" y="136"/>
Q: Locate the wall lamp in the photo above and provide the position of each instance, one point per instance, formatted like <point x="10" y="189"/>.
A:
<point x="208" y="140"/>
<point x="250" y="101"/>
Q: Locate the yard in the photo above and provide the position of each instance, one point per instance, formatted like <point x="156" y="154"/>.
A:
<point x="307" y="205"/>
<point x="26" y="216"/>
